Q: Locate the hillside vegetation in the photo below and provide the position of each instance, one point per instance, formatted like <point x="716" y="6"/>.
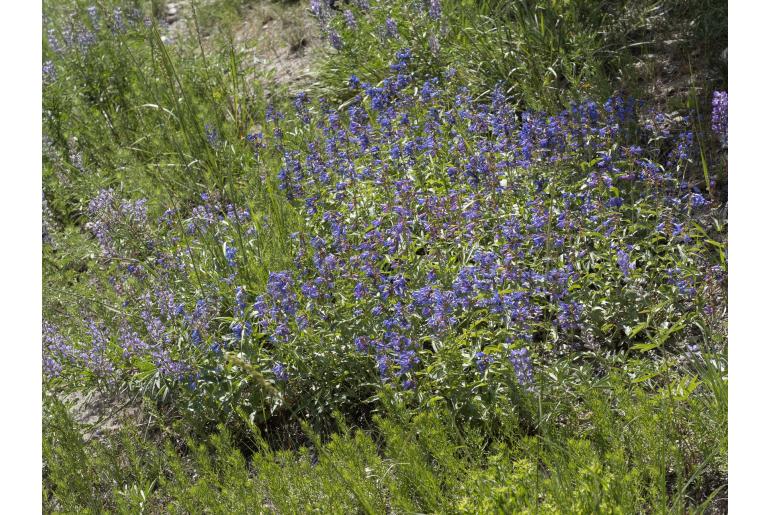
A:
<point x="473" y="259"/>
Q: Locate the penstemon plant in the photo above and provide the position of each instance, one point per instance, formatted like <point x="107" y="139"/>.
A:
<point x="448" y="247"/>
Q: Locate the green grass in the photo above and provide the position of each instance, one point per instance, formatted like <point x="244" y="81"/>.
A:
<point x="628" y="447"/>
<point x="545" y="54"/>
<point x="132" y="113"/>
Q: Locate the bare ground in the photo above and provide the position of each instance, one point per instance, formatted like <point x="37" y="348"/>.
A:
<point x="277" y="43"/>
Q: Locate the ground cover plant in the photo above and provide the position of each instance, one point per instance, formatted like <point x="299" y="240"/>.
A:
<point x="422" y="285"/>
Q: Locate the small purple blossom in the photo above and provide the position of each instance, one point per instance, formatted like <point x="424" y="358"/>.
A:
<point x="692" y="351"/>
<point x="350" y="19"/>
<point x="698" y="200"/>
<point x="434" y="9"/>
<point x="719" y="115"/>
<point x="242" y="330"/>
<point x="212" y="135"/>
<point x="336" y="40"/>
<point x="624" y="262"/>
<point x="280" y="372"/>
<point x="49" y="72"/>
<point x="391" y="30"/>
<point x="483" y="361"/>
<point x="230" y="254"/>
<point x="522" y="366"/>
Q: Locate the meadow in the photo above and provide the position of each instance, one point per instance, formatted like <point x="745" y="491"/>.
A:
<point x="473" y="261"/>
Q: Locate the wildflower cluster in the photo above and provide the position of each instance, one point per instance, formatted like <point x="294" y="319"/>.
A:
<point x="81" y="33"/>
<point x="435" y="226"/>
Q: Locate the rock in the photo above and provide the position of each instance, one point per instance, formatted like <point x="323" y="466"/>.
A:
<point x="172" y="13"/>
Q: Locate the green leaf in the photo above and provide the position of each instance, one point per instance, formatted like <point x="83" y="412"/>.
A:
<point x="633" y="332"/>
<point x="684" y="388"/>
<point x="660" y="338"/>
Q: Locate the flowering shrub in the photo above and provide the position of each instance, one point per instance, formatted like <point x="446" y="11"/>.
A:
<point x="450" y="247"/>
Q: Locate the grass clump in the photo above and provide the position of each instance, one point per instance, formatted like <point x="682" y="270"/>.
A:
<point x="544" y="55"/>
<point x="637" y="450"/>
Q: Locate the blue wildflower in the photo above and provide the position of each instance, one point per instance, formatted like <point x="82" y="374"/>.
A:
<point x="625" y="263"/>
<point x="434" y="9"/>
<point x="719" y="115"/>
<point x="280" y="372"/>
<point x="230" y="254"/>
<point x="336" y="40"/>
<point x="483" y="361"/>
<point x="522" y="366"/>
<point x="242" y="330"/>
<point x="390" y="27"/>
